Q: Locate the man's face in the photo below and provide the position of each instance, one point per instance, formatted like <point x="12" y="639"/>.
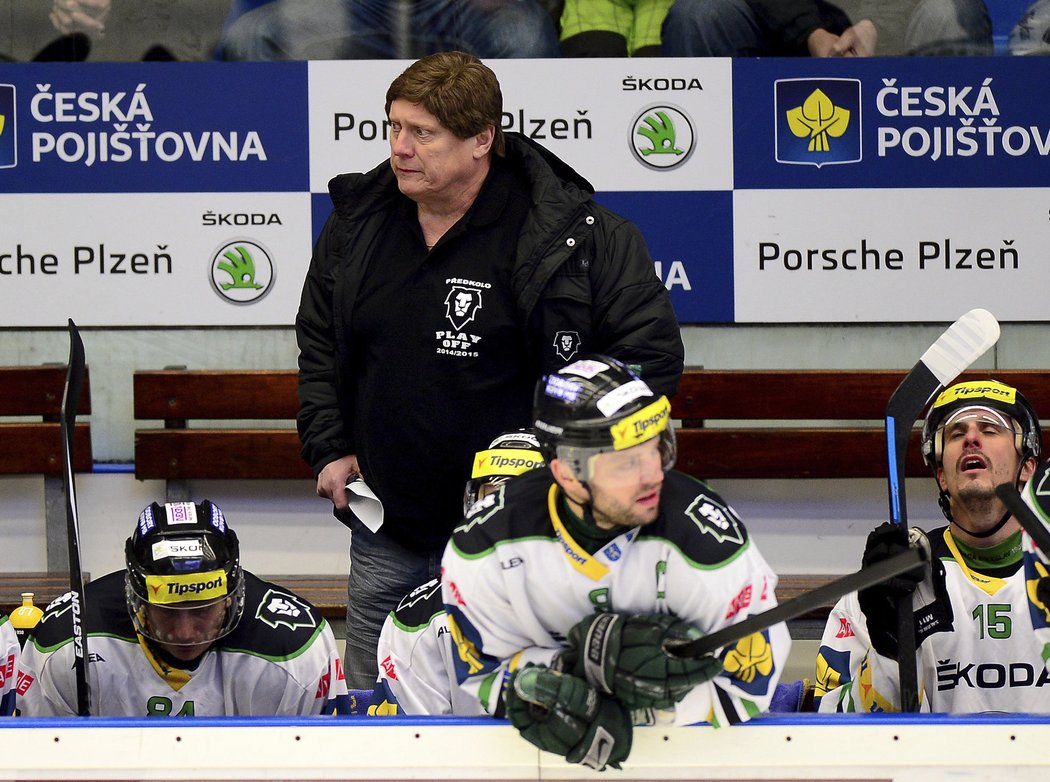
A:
<point x="625" y="485"/>
<point x="428" y="160"/>
<point x="978" y="455"/>
<point x="186" y="632"/>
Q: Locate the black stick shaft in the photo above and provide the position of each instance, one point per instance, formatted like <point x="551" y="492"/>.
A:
<point x="803" y="604"/>
<point x="70" y="402"/>
<point x="1025" y="516"/>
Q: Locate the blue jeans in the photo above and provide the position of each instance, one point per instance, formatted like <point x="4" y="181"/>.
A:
<point x="381" y="573"/>
<point x="729" y="28"/>
<point x="384" y="29"/>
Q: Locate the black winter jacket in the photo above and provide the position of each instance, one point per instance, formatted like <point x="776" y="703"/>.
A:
<point x="791" y="21"/>
<point x="580" y="268"/>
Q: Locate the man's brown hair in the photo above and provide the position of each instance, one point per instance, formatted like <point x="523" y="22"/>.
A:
<point x="457" y="88"/>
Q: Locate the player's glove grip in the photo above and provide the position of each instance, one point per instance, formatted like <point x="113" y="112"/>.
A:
<point x="622" y="655"/>
<point x="563" y="714"/>
<point x="879" y="603"/>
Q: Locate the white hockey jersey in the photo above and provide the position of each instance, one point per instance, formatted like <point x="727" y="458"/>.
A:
<point x="9" y="656"/>
<point x="417" y="673"/>
<point x="515" y="582"/>
<point x="985" y="655"/>
<point x="281" y="659"/>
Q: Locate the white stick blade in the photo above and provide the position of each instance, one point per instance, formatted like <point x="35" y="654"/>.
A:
<point x="961" y="344"/>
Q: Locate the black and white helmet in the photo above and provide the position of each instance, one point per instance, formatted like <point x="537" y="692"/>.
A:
<point x="183" y="555"/>
<point x="598" y="405"/>
<point x="510" y="454"/>
<point x="991" y="399"/>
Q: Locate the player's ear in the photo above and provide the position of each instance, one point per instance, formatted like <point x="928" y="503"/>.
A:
<point x="565" y="478"/>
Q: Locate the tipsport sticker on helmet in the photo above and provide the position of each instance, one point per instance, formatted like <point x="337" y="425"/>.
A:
<point x="165" y="590"/>
<point x="977" y="389"/>
<point x="615" y="400"/>
<point x="505" y="461"/>
<point x="560" y="388"/>
<point x="642" y="425"/>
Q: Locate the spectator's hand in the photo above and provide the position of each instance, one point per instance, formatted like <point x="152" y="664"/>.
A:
<point x="562" y="714"/>
<point x="80" y="16"/>
<point x="857" y="41"/>
<point x="623" y="655"/>
<point x="879" y="603"/>
<point x="331" y="483"/>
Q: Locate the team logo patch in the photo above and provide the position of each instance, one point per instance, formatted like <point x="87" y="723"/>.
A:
<point x="716" y="519"/>
<point x="566" y="344"/>
<point x="281" y="608"/>
<point x="662" y="137"/>
<point x="818" y="121"/>
<point x="462" y="305"/>
<point x="751" y="660"/>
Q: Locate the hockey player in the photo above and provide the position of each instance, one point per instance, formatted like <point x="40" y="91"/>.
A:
<point x="184" y="631"/>
<point x="10" y="649"/>
<point x="563" y="587"/>
<point x="976" y="605"/>
<point x="416" y="670"/>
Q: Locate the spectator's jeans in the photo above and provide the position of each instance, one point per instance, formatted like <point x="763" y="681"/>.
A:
<point x="383" y="29"/>
<point x="381" y="573"/>
<point x="728" y="28"/>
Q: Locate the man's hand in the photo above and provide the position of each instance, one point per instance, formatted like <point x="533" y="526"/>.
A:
<point x="562" y="714"/>
<point x="331" y="483"/>
<point x="879" y="603"/>
<point x="857" y="41"/>
<point x="623" y="655"/>
<point x="80" y="16"/>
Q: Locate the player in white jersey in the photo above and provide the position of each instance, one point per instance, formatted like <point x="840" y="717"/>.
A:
<point x="184" y="631"/>
<point x="10" y="651"/>
<point x="976" y="604"/>
<point x="563" y="585"/>
<point x="417" y="673"/>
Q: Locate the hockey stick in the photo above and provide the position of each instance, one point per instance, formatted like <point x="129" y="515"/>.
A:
<point x="70" y="400"/>
<point x="1025" y="516"/>
<point x="960" y="345"/>
<point x="797" y="606"/>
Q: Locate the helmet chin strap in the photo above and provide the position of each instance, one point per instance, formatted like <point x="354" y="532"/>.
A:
<point x="944" y="502"/>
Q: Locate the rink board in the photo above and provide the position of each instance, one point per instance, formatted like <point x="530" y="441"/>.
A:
<point x="802" y="747"/>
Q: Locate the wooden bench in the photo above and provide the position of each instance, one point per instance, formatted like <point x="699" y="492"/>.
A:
<point x="751" y="423"/>
<point x="31" y="440"/>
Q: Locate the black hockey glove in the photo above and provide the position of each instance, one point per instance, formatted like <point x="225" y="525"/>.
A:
<point x="879" y="603"/>
<point x="622" y="655"/>
<point x="563" y="714"/>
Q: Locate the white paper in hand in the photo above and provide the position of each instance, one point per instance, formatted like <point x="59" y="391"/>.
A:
<point x="365" y="504"/>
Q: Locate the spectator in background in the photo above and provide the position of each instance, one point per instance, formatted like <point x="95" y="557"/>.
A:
<point x="445" y="281"/>
<point x="751" y="28"/>
<point x="612" y="28"/>
<point x="385" y="29"/>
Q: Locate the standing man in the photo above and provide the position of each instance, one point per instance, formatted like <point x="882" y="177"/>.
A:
<point x="445" y="281"/>
<point x="976" y="603"/>
<point x="184" y="631"/>
<point x="562" y="589"/>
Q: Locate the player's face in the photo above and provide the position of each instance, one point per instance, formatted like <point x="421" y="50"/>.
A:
<point x="625" y="485"/>
<point x="186" y="632"/>
<point x="978" y="454"/>
<point x="429" y="161"/>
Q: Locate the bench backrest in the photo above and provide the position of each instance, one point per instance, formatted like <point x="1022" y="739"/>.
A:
<point x="34" y="446"/>
<point x="743" y="423"/>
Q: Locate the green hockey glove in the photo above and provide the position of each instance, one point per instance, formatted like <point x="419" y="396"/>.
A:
<point x="622" y="655"/>
<point x="563" y="714"/>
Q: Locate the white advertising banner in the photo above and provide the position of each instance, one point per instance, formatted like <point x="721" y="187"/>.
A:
<point x="623" y="124"/>
<point x="124" y="259"/>
<point x="854" y="256"/>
